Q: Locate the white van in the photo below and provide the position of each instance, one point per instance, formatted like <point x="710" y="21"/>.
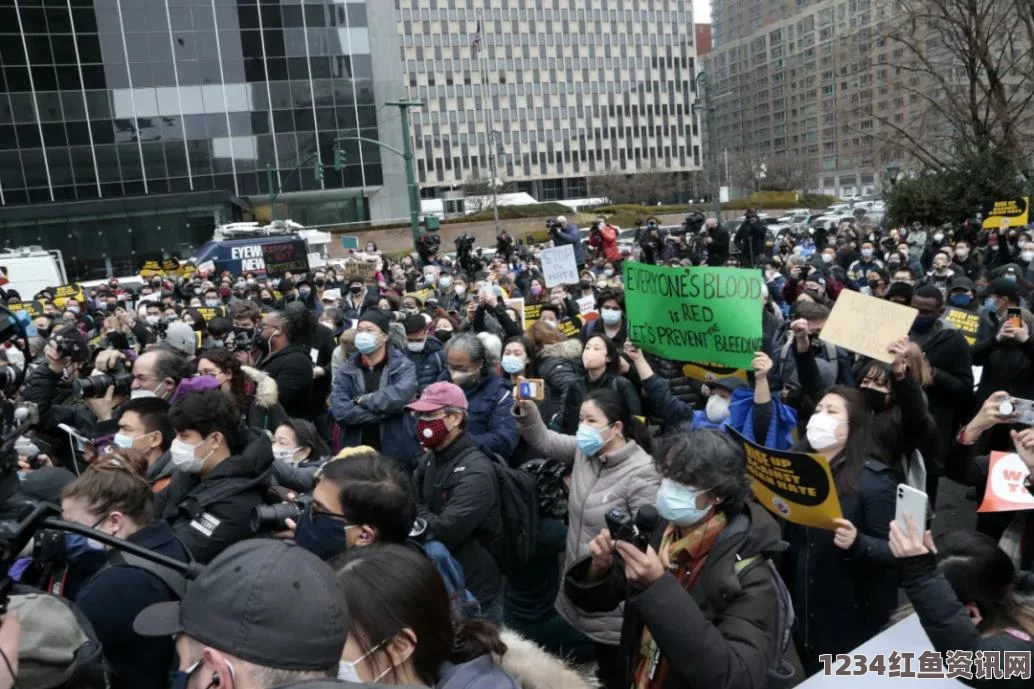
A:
<point x="32" y="268"/>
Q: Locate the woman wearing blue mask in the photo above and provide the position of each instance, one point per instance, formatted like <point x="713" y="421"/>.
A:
<point x="701" y="603"/>
<point x="114" y="497"/>
<point x="611" y="307"/>
<point x="609" y="470"/>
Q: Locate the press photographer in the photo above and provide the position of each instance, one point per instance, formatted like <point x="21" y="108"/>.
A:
<point x="700" y="585"/>
<point x="562" y="232"/>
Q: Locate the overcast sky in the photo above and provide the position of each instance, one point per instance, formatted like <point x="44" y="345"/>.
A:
<point x="701" y="11"/>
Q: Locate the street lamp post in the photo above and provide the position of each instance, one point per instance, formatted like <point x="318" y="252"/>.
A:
<point x="703" y="103"/>
<point x="498" y="138"/>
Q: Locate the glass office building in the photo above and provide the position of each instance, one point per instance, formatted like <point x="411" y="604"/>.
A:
<point x="130" y="128"/>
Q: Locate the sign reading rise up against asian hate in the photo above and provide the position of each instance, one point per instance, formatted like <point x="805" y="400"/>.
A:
<point x="695" y="313"/>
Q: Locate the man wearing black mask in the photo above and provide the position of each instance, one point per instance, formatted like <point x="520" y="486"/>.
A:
<point x="950" y="362"/>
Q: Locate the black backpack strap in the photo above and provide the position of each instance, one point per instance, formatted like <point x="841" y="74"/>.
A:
<point x="176" y="582"/>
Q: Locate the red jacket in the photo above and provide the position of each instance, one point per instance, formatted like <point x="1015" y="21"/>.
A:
<point x="608" y="236"/>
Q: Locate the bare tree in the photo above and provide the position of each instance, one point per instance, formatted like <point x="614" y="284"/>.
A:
<point x="746" y="170"/>
<point x="784" y="172"/>
<point x="612" y="185"/>
<point x="477" y="191"/>
<point x="967" y="68"/>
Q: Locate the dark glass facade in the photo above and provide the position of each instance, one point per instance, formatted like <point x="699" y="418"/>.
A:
<point x="156" y="119"/>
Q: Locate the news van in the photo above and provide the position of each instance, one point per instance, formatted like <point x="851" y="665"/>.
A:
<point x="274" y="249"/>
<point x="30" y="269"/>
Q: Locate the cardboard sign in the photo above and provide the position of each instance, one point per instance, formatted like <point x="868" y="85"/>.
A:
<point x="206" y="267"/>
<point x="796" y="486"/>
<point x="285" y="257"/>
<point x="695" y="313"/>
<point x="558" y="266"/>
<point x="1016" y="212"/>
<point x="1004" y="491"/>
<point x="358" y="270"/>
<point x="866" y="325"/>
<point x="963" y="321"/>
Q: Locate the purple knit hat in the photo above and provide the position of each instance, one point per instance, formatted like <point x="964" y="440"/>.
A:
<point x="189" y="386"/>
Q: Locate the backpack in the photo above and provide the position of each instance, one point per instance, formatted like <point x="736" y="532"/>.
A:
<point x="173" y="580"/>
<point x="782" y="669"/>
<point x="519" y="508"/>
<point x="828" y="366"/>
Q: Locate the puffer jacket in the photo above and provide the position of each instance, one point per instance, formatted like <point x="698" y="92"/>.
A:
<point x="626" y="478"/>
<point x="264" y="411"/>
<point x="523" y="666"/>
<point x="560" y="365"/>
<point x="429" y="362"/>
<point x="681" y="386"/>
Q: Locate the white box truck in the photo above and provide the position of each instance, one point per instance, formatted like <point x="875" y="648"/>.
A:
<point x="31" y="268"/>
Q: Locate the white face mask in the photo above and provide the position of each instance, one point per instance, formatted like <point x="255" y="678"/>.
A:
<point x="183" y="459"/>
<point x="416" y="346"/>
<point x="285" y="454"/>
<point x="822" y="430"/>
<point x="346" y="671"/>
<point x="460" y="290"/>
<point x="717" y="409"/>
<point x="142" y="393"/>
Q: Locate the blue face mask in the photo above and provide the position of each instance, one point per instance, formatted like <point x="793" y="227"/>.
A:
<point x="366" y="343"/>
<point x="610" y="316"/>
<point x="179" y="679"/>
<point x="962" y="299"/>
<point x="923" y="324"/>
<point x="990" y="305"/>
<point x="678" y="503"/>
<point x="77" y="545"/>
<point x="589" y="440"/>
<point x="512" y="364"/>
<point x="321" y="534"/>
<point x="212" y="303"/>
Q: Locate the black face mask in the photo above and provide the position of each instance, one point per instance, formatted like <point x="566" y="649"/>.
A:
<point x="356" y="290"/>
<point x="584" y="284"/>
<point x="876" y="399"/>
<point x="443" y="335"/>
<point x="319" y="282"/>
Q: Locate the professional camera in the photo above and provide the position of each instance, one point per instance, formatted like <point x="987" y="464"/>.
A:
<point x="64" y="348"/>
<point x="97" y="386"/>
<point x="694" y="223"/>
<point x="623" y="528"/>
<point x="427" y="246"/>
<point x="9" y="375"/>
<point x="162" y="326"/>
<point x="266" y="518"/>
<point x="240" y="340"/>
<point x="465" y="242"/>
<point x="464" y="257"/>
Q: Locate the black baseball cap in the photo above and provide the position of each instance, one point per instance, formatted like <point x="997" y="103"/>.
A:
<point x="268" y="602"/>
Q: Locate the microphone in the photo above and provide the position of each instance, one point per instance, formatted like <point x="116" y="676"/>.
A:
<point x="645" y="522"/>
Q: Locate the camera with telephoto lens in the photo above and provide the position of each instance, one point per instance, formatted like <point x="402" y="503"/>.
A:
<point x="622" y="528"/>
<point x="266" y="518"/>
<point x="241" y="340"/>
<point x="97" y="386"/>
<point x="9" y="375"/>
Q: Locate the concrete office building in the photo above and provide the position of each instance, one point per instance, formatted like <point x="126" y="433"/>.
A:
<point x="130" y="128"/>
<point x="792" y="81"/>
<point x="574" y="88"/>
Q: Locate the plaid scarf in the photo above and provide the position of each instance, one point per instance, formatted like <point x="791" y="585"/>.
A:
<point x="683" y="552"/>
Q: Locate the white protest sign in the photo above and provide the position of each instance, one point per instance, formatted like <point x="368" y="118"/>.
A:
<point x="206" y="267"/>
<point x="586" y="305"/>
<point x="559" y="267"/>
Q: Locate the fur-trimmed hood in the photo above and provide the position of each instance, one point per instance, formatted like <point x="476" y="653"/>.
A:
<point x="265" y="393"/>
<point x="534" y="668"/>
<point x="568" y="349"/>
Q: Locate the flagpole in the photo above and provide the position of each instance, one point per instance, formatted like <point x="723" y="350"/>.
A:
<point x="489" y="127"/>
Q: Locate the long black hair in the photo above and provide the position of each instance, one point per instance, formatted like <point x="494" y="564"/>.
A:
<point x="529" y="349"/>
<point x="857" y="451"/>
<point x="613" y="353"/>
<point x="981" y="573"/>
<point x="391" y="588"/>
<point x="614" y="408"/>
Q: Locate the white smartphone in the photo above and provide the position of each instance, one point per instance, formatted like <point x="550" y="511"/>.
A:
<point x="912" y="502"/>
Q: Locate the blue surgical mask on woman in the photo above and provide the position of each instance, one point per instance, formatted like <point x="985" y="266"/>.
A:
<point x="678" y="503"/>
<point x="610" y="316"/>
<point x="589" y="440"/>
<point x="512" y="364"/>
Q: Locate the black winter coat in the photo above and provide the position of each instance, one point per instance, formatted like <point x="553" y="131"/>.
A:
<point x="429" y="363"/>
<point x="945" y="621"/>
<point x="458" y="495"/>
<point x="681" y="387"/>
<point x="112" y="600"/>
<point x="951" y="394"/>
<point x="291" y="368"/>
<point x="719" y="635"/>
<point x="560" y="365"/>
<point x="843" y="598"/>
<point x="324" y="342"/>
<point x="210" y="513"/>
<point x="577" y="394"/>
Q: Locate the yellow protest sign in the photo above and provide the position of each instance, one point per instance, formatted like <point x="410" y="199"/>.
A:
<point x="65" y="292"/>
<point x="866" y="325"/>
<point x="210" y="312"/>
<point x="796" y="486"/>
<point x="422" y="294"/>
<point x="965" y="322"/>
<point x="1015" y="213"/>
<point x="567" y="328"/>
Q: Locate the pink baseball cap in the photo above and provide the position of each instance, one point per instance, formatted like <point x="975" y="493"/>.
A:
<point x="438" y="396"/>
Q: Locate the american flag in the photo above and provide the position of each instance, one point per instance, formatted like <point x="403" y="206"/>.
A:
<point x="475" y="44"/>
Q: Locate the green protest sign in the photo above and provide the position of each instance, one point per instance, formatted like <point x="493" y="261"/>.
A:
<point x="696" y="313"/>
